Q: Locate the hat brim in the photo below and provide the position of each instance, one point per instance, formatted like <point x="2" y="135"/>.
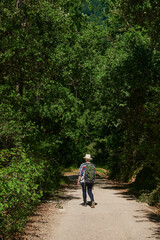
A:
<point x="87" y="158"/>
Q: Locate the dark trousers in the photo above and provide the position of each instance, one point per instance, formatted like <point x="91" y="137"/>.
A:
<point x="87" y="186"/>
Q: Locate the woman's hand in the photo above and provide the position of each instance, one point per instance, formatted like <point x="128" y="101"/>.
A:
<point x="78" y="183"/>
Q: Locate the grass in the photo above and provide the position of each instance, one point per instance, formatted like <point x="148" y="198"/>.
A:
<point x="101" y="170"/>
<point x="69" y="169"/>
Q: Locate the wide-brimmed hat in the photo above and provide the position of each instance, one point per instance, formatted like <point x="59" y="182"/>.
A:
<point x="88" y="156"/>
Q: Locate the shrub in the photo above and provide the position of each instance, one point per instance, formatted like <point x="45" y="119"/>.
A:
<point x="154" y="198"/>
<point x="22" y="183"/>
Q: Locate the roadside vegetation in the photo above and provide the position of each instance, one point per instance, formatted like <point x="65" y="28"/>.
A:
<point x="76" y="77"/>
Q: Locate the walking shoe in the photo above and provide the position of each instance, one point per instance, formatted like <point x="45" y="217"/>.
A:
<point x="84" y="204"/>
<point x="93" y="205"/>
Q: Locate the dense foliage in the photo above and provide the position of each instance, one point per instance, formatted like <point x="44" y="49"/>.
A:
<point x="76" y="77"/>
<point x="129" y="139"/>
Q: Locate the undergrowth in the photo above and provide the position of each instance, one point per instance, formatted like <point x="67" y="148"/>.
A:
<point x="23" y="183"/>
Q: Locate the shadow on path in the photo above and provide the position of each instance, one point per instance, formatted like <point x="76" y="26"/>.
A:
<point x="147" y="216"/>
<point x="42" y="216"/>
<point x="122" y="190"/>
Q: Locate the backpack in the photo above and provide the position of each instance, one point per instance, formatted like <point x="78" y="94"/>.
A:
<point x="89" y="173"/>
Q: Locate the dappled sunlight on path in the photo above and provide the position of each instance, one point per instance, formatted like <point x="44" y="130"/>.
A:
<point x="117" y="215"/>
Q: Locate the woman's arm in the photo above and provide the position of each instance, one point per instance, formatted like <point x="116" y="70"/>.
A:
<point x="79" y="179"/>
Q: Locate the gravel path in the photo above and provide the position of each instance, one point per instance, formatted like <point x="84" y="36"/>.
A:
<point x="117" y="216"/>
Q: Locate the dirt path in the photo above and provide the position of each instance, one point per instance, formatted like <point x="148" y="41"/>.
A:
<point x="117" y="216"/>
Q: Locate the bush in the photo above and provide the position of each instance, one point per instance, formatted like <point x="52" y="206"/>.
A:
<point x="22" y="183"/>
<point x="145" y="179"/>
<point x="154" y="198"/>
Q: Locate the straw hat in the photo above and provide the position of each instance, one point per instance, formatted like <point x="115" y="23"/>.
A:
<point x="88" y="156"/>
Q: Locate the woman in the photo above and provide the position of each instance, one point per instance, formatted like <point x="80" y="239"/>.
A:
<point x="84" y="183"/>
